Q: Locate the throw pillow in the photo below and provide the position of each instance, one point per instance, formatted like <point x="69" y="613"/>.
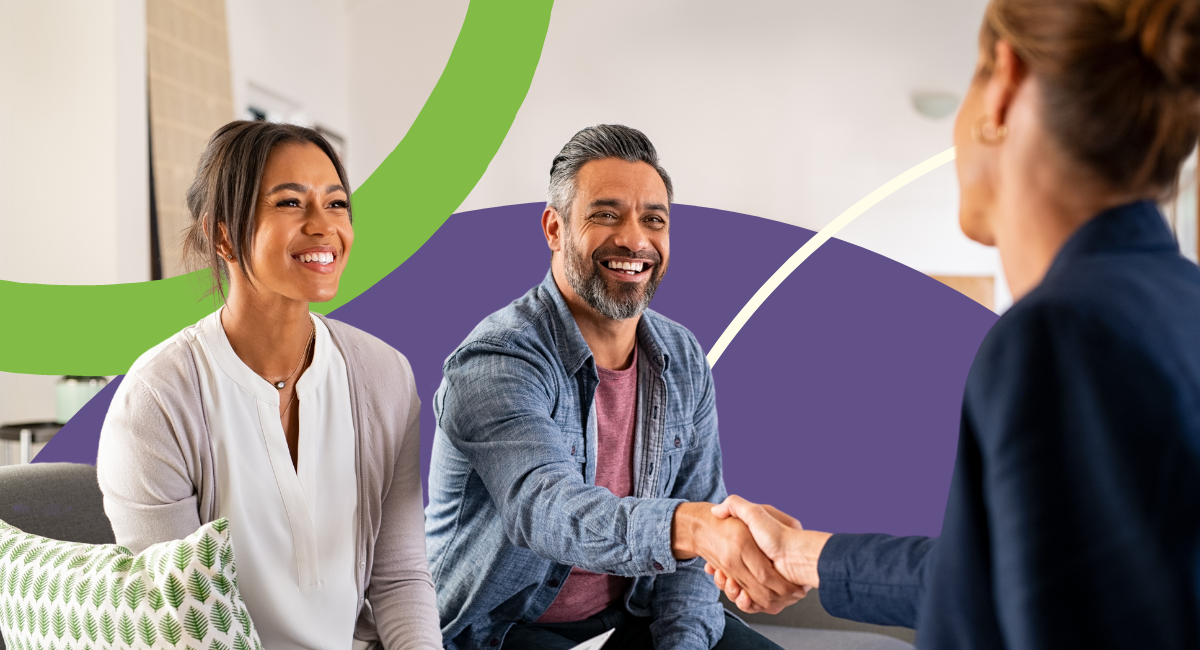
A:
<point x="67" y="596"/>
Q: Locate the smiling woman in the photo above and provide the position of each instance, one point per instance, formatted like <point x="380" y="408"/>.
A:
<point x="255" y="414"/>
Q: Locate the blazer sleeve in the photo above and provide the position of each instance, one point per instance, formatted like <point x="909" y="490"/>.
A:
<point x="876" y="579"/>
<point x="400" y="587"/>
<point x="143" y="470"/>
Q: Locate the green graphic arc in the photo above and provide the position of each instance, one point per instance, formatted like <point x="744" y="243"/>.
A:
<point x="102" y="329"/>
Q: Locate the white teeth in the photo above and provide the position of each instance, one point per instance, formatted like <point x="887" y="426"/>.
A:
<point x="630" y="267"/>
<point x="319" y="258"/>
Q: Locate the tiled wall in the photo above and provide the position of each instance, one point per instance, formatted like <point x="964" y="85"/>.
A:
<point x="190" y="96"/>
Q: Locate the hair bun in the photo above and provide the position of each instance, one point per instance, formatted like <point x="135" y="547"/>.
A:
<point x="1169" y="34"/>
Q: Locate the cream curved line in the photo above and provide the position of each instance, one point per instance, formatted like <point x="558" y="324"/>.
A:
<point x="817" y="240"/>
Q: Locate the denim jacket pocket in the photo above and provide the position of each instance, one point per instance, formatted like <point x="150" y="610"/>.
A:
<point x="679" y="438"/>
<point x="677" y="441"/>
<point x="576" y="446"/>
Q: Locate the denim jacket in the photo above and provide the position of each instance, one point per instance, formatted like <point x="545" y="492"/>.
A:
<point x="513" y="503"/>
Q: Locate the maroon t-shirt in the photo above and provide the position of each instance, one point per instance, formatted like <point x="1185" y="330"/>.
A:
<point x="585" y="593"/>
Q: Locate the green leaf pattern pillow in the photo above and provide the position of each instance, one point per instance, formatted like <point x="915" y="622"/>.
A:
<point x="67" y="596"/>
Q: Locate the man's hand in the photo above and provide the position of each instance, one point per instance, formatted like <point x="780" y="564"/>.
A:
<point x="793" y="551"/>
<point x="726" y="544"/>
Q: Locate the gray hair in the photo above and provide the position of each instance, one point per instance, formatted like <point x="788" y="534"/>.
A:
<point x="597" y="143"/>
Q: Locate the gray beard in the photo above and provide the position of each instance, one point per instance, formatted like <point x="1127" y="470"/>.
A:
<point x="629" y="301"/>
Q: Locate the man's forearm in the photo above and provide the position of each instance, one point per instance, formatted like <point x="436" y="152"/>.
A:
<point x="624" y="536"/>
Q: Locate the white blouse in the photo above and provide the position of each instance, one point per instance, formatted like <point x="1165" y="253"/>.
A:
<point x="293" y="528"/>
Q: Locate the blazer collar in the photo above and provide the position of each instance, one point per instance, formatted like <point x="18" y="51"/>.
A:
<point x="572" y="347"/>
<point x="1128" y="228"/>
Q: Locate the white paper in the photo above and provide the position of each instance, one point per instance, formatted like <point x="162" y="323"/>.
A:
<point x="596" y="642"/>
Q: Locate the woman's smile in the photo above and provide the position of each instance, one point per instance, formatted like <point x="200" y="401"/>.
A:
<point x="318" y="259"/>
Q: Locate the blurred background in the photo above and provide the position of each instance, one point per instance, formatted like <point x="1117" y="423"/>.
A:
<point x="790" y="110"/>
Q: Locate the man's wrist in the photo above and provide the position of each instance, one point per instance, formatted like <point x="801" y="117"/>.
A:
<point x="684" y="526"/>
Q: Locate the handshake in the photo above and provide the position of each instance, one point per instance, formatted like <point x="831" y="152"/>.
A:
<point x="763" y="559"/>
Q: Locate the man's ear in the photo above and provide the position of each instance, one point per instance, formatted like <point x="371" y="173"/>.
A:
<point x="553" y="228"/>
<point x="1010" y="71"/>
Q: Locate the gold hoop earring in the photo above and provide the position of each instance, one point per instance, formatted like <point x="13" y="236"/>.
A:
<point x="980" y="134"/>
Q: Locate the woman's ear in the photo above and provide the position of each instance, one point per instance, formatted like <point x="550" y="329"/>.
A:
<point x="1008" y="73"/>
<point x="223" y="244"/>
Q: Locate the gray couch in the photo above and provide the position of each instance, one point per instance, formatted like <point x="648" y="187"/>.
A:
<point x="807" y="625"/>
<point x="63" y="501"/>
<point x="55" y="500"/>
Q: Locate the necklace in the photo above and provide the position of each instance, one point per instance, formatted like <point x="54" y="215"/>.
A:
<point x="293" y="397"/>
<point x="281" y="384"/>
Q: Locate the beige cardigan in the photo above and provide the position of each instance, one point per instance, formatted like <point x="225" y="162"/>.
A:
<point x="156" y="471"/>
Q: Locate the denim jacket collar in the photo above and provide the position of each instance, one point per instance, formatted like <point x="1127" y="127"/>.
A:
<point x="574" y="349"/>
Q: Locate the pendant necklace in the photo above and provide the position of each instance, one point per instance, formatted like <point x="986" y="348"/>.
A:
<point x="281" y="384"/>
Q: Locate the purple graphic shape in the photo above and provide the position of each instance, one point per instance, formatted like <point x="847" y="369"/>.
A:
<point x="839" y="401"/>
<point x="79" y="438"/>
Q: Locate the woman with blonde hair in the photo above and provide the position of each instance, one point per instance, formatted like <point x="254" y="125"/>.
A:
<point x="1074" y="512"/>
<point x="301" y="430"/>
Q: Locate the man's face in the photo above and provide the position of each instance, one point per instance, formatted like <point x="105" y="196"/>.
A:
<point x="617" y="240"/>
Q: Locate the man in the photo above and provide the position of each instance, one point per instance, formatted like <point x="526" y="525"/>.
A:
<point x="577" y="441"/>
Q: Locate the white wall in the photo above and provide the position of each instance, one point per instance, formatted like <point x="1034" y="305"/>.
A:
<point x="73" y="157"/>
<point x="363" y="68"/>
<point x="397" y="54"/>
<point x="1182" y="211"/>
<point x="73" y="152"/>
<point x="26" y="398"/>
<point x="293" y="53"/>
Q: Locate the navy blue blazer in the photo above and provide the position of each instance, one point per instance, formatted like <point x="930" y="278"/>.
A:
<point x="1074" y="511"/>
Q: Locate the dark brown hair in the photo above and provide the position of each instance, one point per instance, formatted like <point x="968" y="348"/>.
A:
<point x="226" y="188"/>
<point x="1120" y="80"/>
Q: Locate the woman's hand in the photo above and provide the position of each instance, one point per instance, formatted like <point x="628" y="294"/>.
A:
<point x="793" y="550"/>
